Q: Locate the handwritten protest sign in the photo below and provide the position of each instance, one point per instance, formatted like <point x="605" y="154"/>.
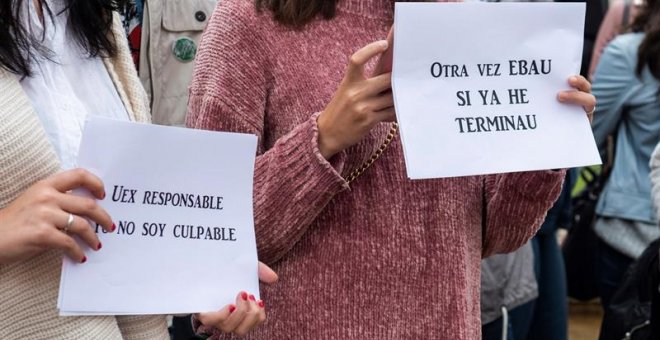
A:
<point x="181" y="200"/>
<point x="475" y="88"/>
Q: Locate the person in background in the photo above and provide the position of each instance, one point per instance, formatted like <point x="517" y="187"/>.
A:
<point x="617" y="21"/>
<point x="164" y="36"/>
<point x="593" y="17"/>
<point x="382" y="257"/>
<point x="131" y="13"/>
<point x="508" y="294"/>
<point x="626" y="86"/>
<point x="526" y="289"/>
<point x="655" y="180"/>
<point x="61" y="62"/>
<point x="171" y="31"/>
<point x="549" y="318"/>
<point x="655" y="192"/>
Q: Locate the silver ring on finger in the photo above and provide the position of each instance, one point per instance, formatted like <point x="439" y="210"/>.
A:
<point x="69" y="223"/>
<point x="592" y="111"/>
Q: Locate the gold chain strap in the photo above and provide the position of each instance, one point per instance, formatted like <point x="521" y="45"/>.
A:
<point x="359" y="171"/>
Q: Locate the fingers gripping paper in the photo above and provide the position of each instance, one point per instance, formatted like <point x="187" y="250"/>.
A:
<point x="182" y="203"/>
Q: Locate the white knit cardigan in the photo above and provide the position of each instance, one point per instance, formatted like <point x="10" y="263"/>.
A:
<point x="28" y="289"/>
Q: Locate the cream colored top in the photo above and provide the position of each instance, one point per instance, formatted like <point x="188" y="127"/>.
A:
<point x="68" y="86"/>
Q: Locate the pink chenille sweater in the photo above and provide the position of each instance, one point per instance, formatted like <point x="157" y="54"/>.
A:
<point x="383" y="257"/>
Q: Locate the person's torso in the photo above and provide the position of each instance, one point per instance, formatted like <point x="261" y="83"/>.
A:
<point x="627" y="193"/>
<point x="395" y="238"/>
<point x="28" y="289"/>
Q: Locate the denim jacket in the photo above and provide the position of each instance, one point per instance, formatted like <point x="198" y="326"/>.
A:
<point x="629" y="107"/>
<point x="655" y="178"/>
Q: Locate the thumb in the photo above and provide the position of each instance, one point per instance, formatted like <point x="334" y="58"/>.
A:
<point x="266" y="274"/>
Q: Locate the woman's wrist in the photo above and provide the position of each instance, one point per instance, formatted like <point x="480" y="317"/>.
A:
<point x="327" y="146"/>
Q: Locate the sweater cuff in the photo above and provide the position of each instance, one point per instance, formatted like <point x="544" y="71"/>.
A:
<point x="329" y="170"/>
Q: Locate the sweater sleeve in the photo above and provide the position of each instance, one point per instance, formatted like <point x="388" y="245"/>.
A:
<point x="655" y="180"/>
<point x="145" y="327"/>
<point x="515" y="206"/>
<point x="292" y="182"/>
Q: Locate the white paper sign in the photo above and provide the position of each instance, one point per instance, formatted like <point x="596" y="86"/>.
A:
<point x="182" y="203"/>
<point x="513" y="59"/>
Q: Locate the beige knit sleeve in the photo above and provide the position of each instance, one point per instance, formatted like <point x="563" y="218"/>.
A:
<point x="149" y="327"/>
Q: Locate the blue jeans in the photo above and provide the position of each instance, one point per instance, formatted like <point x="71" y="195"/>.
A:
<point x="518" y="326"/>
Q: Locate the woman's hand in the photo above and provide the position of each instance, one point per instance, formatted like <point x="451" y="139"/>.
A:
<point x="580" y="96"/>
<point x="45" y="216"/>
<point x="358" y="104"/>
<point x="243" y="316"/>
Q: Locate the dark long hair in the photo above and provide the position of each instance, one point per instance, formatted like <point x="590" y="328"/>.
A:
<point x="90" y="21"/>
<point x="648" y="21"/>
<point x="297" y="13"/>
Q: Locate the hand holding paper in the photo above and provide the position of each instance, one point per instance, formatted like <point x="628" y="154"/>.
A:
<point x="477" y="101"/>
<point x="184" y="241"/>
<point x="580" y="96"/>
<point x="46" y="217"/>
<point x="245" y="315"/>
<point x="358" y="104"/>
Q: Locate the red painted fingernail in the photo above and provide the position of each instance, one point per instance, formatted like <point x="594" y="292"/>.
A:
<point x="244" y="296"/>
<point x="252" y="297"/>
<point x="261" y="304"/>
<point x="84" y="259"/>
<point x="113" y="227"/>
<point x="232" y="308"/>
<point x="99" y="246"/>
